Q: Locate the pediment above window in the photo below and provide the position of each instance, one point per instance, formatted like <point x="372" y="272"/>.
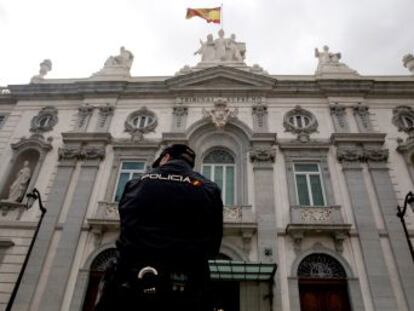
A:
<point x="221" y="77"/>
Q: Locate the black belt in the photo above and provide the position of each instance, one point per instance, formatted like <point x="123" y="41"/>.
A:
<point x="152" y="280"/>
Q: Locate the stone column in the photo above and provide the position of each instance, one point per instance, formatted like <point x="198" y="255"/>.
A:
<point x="377" y="272"/>
<point x="263" y="158"/>
<point x="66" y="249"/>
<point x="388" y="204"/>
<point x="56" y="198"/>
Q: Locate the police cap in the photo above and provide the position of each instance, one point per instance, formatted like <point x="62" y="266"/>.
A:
<point x="177" y="151"/>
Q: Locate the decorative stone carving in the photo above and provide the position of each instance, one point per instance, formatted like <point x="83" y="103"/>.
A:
<point x="105" y="114"/>
<point x="44" y="121"/>
<point x="34" y="141"/>
<point x="350" y="154"/>
<point x="221" y="114"/>
<point x="232" y="213"/>
<point x="316" y="215"/>
<point x="84" y="114"/>
<point x="45" y="67"/>
<point x="376" y="154"/>
<point x="108" y="210"/>
<point x="338" y="113"/>
<point x="92" y="153"/>
<point x="361" y="113"/>
<point x="408" y="61"/>
<point x="403" y="119"/>
<point x="262" y="154"/>
<point x="354" y="154"/>
<point x="86" y="152"/>
<point x="329" y="65"/>
<point x="258" y="69"/>
<point x="180" y="112"/>
<point x="19" y="185"/>
<point x="259" y="112"/>
<point x="327" y="220"/>
<point x="140" y="122"/>
<point x="69" y="153"/>
<point x="117" y="66"/>
<point x="301" y="122"/>
<point x="222" y="49"/>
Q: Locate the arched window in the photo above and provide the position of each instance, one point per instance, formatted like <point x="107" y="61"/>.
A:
<point x="98" y="267"/>
<point x="322" y="284"/>
<point x="219" y="166"/>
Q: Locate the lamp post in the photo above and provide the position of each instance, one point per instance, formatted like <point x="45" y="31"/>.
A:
<point x="31" y="198"/>
<point x="409" y="199"/>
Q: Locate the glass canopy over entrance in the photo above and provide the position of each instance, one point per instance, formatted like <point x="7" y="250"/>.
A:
<point x="241" y="271"/>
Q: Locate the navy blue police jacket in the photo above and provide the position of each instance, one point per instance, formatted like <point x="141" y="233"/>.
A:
<point x="171" y="215"/>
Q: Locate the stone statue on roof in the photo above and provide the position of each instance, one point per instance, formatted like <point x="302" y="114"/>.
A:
<point x="408" y="62"/>
<point x="116" y="67"/>
<point x="222" y="50"/>
<point x="329" y="65"/>
<point x="124" y="59"/>
<point x="45" y="67"/>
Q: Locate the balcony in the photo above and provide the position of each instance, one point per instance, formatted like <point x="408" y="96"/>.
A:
<point x="309" y="220"/>
<point x="237" y="219"/>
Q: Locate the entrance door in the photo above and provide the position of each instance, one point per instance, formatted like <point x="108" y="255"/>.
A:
<point x="323" y="295"/>
<point x="225" y="295"/>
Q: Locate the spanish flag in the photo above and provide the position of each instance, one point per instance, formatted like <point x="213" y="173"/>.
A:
<point x="210" y="15"/>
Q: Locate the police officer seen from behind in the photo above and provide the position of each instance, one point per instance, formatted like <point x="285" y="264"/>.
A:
<point x="171" y="224"/>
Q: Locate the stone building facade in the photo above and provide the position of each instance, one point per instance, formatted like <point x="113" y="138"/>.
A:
<point x="312" y="168"/>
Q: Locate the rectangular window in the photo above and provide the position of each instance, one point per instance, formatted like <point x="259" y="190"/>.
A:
<point x="224" y="176"/>
<point x="129" y="170"/>
<point x="309" y="185"/>
<point x="2" y="120"/>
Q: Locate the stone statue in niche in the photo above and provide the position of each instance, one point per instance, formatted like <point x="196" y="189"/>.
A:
<point x="222" y="49"/>
<point x="19" y="185"/>
<point x="45" y="67"/>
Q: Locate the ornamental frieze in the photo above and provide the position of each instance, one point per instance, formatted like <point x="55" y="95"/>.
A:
<point x="81" y="153"/>
<point x="69" y="153"/>
<point x="376" y="154"/>
<point x="350" y="154"/>
<point x="92" y="153"/>
<point x="263" y="155"/>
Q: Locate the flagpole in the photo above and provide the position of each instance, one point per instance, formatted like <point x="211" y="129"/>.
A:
<point x="222" y="16"/>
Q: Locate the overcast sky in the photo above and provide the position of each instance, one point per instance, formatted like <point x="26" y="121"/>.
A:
<point x="79" y="35"/>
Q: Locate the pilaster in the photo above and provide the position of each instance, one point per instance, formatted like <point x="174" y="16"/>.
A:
<point x="262" y="157"/>
<point x="387" y="202"/>
<point x="92" y="151"/>
<point x="352" y="156"/>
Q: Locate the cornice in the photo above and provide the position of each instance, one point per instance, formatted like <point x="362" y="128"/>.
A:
<point x="358" y="138"/>
<point x="366" y="87"/>
<point x="311" y="145"/>
<point x="82" y="137"/>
